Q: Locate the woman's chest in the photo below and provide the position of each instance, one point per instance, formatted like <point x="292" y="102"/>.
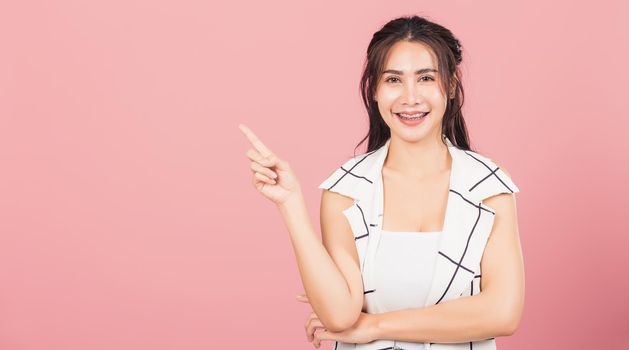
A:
<point x="414" y="205"/>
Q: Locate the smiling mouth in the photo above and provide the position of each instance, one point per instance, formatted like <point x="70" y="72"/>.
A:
<point x="411" y="116"/>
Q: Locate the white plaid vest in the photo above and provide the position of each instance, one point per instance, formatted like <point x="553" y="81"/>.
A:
<point x="468" y="223"/>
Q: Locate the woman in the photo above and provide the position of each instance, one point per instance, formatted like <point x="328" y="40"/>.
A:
<point x="403" y="270"/>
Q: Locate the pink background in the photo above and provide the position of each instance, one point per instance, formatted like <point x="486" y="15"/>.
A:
<point x="127" y="215"/>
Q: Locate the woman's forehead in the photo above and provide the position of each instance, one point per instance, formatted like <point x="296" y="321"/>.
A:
<point x="409" y="56"/>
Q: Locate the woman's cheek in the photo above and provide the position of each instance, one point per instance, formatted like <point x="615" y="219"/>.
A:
<point x="388" y="96"/>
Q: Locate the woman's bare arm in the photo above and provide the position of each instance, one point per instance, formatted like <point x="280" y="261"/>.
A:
<point x="329" y="271"/>
<point x="331" y="277"/>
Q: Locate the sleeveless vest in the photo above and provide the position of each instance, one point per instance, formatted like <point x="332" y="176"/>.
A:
<point x="467" y="226"/>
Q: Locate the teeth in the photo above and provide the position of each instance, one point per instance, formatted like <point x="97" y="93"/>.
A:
<point x="412" y="116"/>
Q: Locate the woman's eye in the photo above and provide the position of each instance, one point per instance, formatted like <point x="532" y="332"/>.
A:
<point x="389" y="80"/>
<point x="427" y="76"/>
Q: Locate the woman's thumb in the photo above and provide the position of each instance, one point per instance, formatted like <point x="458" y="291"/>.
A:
<point x="275" y="161"/>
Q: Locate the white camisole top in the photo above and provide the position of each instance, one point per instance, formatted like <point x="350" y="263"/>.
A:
<point x="403" y="271"/>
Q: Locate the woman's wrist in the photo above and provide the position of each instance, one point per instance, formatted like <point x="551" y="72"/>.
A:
<point x="374" y="326"/>
<point x="293" y="202"/>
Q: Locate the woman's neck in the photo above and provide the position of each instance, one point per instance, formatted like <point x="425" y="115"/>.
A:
<point x="420" y="159"/>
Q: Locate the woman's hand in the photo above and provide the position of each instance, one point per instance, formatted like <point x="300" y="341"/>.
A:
<point x="361" y="332"/>
<point x="272" y="176"/>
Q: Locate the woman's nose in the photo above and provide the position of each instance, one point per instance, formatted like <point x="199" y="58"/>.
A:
<point x="410" y="94"/>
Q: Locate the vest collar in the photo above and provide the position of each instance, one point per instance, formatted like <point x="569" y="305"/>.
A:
<point x="473" y="175"/>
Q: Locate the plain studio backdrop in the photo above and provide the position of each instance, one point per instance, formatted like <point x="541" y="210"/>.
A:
<point x="127" y="215"/>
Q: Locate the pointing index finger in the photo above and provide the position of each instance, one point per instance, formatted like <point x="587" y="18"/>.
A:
<point x="255" y="141"/>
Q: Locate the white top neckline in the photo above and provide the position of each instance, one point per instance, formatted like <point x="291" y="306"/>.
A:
<point x="411" y="232"/>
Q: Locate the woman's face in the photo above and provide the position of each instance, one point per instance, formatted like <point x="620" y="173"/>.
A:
<point x="409" y="86"/>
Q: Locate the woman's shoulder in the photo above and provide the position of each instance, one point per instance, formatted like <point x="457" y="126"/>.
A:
<point x="343" y="177"/>
<point x="486" y="176"/>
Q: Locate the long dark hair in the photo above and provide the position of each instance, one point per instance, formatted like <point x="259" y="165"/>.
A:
<point x="448" y="52"/>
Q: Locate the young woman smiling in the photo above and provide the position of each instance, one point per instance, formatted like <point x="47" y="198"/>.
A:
<point x="408" y="226"/>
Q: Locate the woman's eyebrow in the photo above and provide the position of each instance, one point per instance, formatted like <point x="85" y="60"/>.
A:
<point x="420" y="71"/>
